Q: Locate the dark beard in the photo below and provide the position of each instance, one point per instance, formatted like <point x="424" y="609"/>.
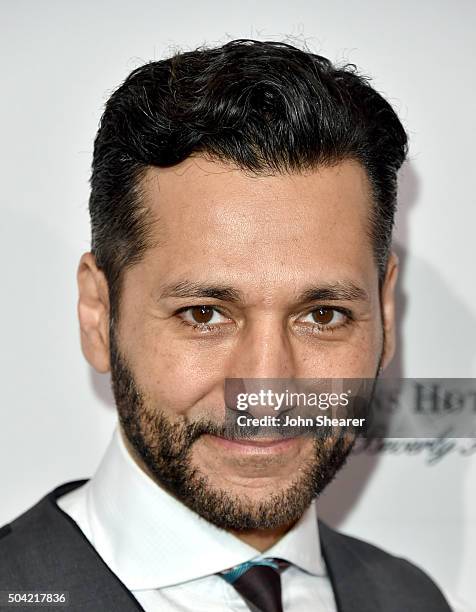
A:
<point x="165" y="448"/>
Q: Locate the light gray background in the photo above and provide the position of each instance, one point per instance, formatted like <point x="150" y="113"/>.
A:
<point x="60" y="61"/>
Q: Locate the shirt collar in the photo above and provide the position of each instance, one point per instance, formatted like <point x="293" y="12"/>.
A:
<point x="152" y="540"/>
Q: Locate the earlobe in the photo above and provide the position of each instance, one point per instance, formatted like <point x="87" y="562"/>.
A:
<point x="388" y="309"/>
<point x="93" y="313"/>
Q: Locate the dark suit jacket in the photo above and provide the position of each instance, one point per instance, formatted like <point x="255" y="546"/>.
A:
<point x="44" y="550"/>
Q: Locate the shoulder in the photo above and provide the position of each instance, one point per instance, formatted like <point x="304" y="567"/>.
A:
<point x="387" y="576"/>
<point x="44" y="549"/>
<point x="369" y="554"/>
<point x="29" y="542"/>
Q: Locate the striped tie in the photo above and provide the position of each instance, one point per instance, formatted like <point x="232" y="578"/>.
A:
<point x="259" y="583"/>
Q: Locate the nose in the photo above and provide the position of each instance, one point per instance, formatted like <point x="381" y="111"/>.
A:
<point x="264" y="350"/>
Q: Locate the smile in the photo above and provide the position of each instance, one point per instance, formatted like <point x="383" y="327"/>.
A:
<point x="262" y="446"/>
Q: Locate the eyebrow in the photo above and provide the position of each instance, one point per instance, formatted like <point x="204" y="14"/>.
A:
<point x="190" y="289"/>
<point x="340" y="290"/>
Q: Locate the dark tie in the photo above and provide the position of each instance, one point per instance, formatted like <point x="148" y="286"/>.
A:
<point x="259" y="583"/>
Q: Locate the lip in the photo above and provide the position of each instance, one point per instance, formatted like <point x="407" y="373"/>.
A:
<point x="262" y="446"/>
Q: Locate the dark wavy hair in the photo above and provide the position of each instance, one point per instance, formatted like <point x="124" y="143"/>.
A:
<point x="268" y="107"/>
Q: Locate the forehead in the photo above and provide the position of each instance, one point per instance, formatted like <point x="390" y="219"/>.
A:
<point x="211" y="214"/>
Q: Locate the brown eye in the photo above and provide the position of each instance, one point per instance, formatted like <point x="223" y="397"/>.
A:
<point x="323" y="316"/>
<point x="202" y="314"/>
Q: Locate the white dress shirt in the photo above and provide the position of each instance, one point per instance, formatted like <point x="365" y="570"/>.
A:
<point x="167" y="555"/>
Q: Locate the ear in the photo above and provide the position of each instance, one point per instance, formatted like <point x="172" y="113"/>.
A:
<point x="388" y="309"/>
<point x="93" y="313"/>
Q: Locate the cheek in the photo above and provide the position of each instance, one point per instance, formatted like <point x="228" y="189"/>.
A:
<point x="179" y="378"/>
<point x="188" y="379"/>
<point x="174" y="375"/>
<point x="356" y="357"/>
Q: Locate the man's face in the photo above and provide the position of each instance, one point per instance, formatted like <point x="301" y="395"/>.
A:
<point x="232" y="288"/>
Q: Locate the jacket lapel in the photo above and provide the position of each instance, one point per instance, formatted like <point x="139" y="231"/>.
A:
<point x="78" y="568"/>
<point x="352" y="582"/>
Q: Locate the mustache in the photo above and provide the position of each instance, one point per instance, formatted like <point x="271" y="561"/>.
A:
<point x="232" y="431"/>
<point x="203" y="426"/>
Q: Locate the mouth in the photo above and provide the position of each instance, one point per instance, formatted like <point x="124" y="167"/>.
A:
<point x="255" y="446"/>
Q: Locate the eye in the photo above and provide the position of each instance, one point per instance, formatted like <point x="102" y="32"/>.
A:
<point x="326" y="318"/>
<point x="201" y="316"/>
